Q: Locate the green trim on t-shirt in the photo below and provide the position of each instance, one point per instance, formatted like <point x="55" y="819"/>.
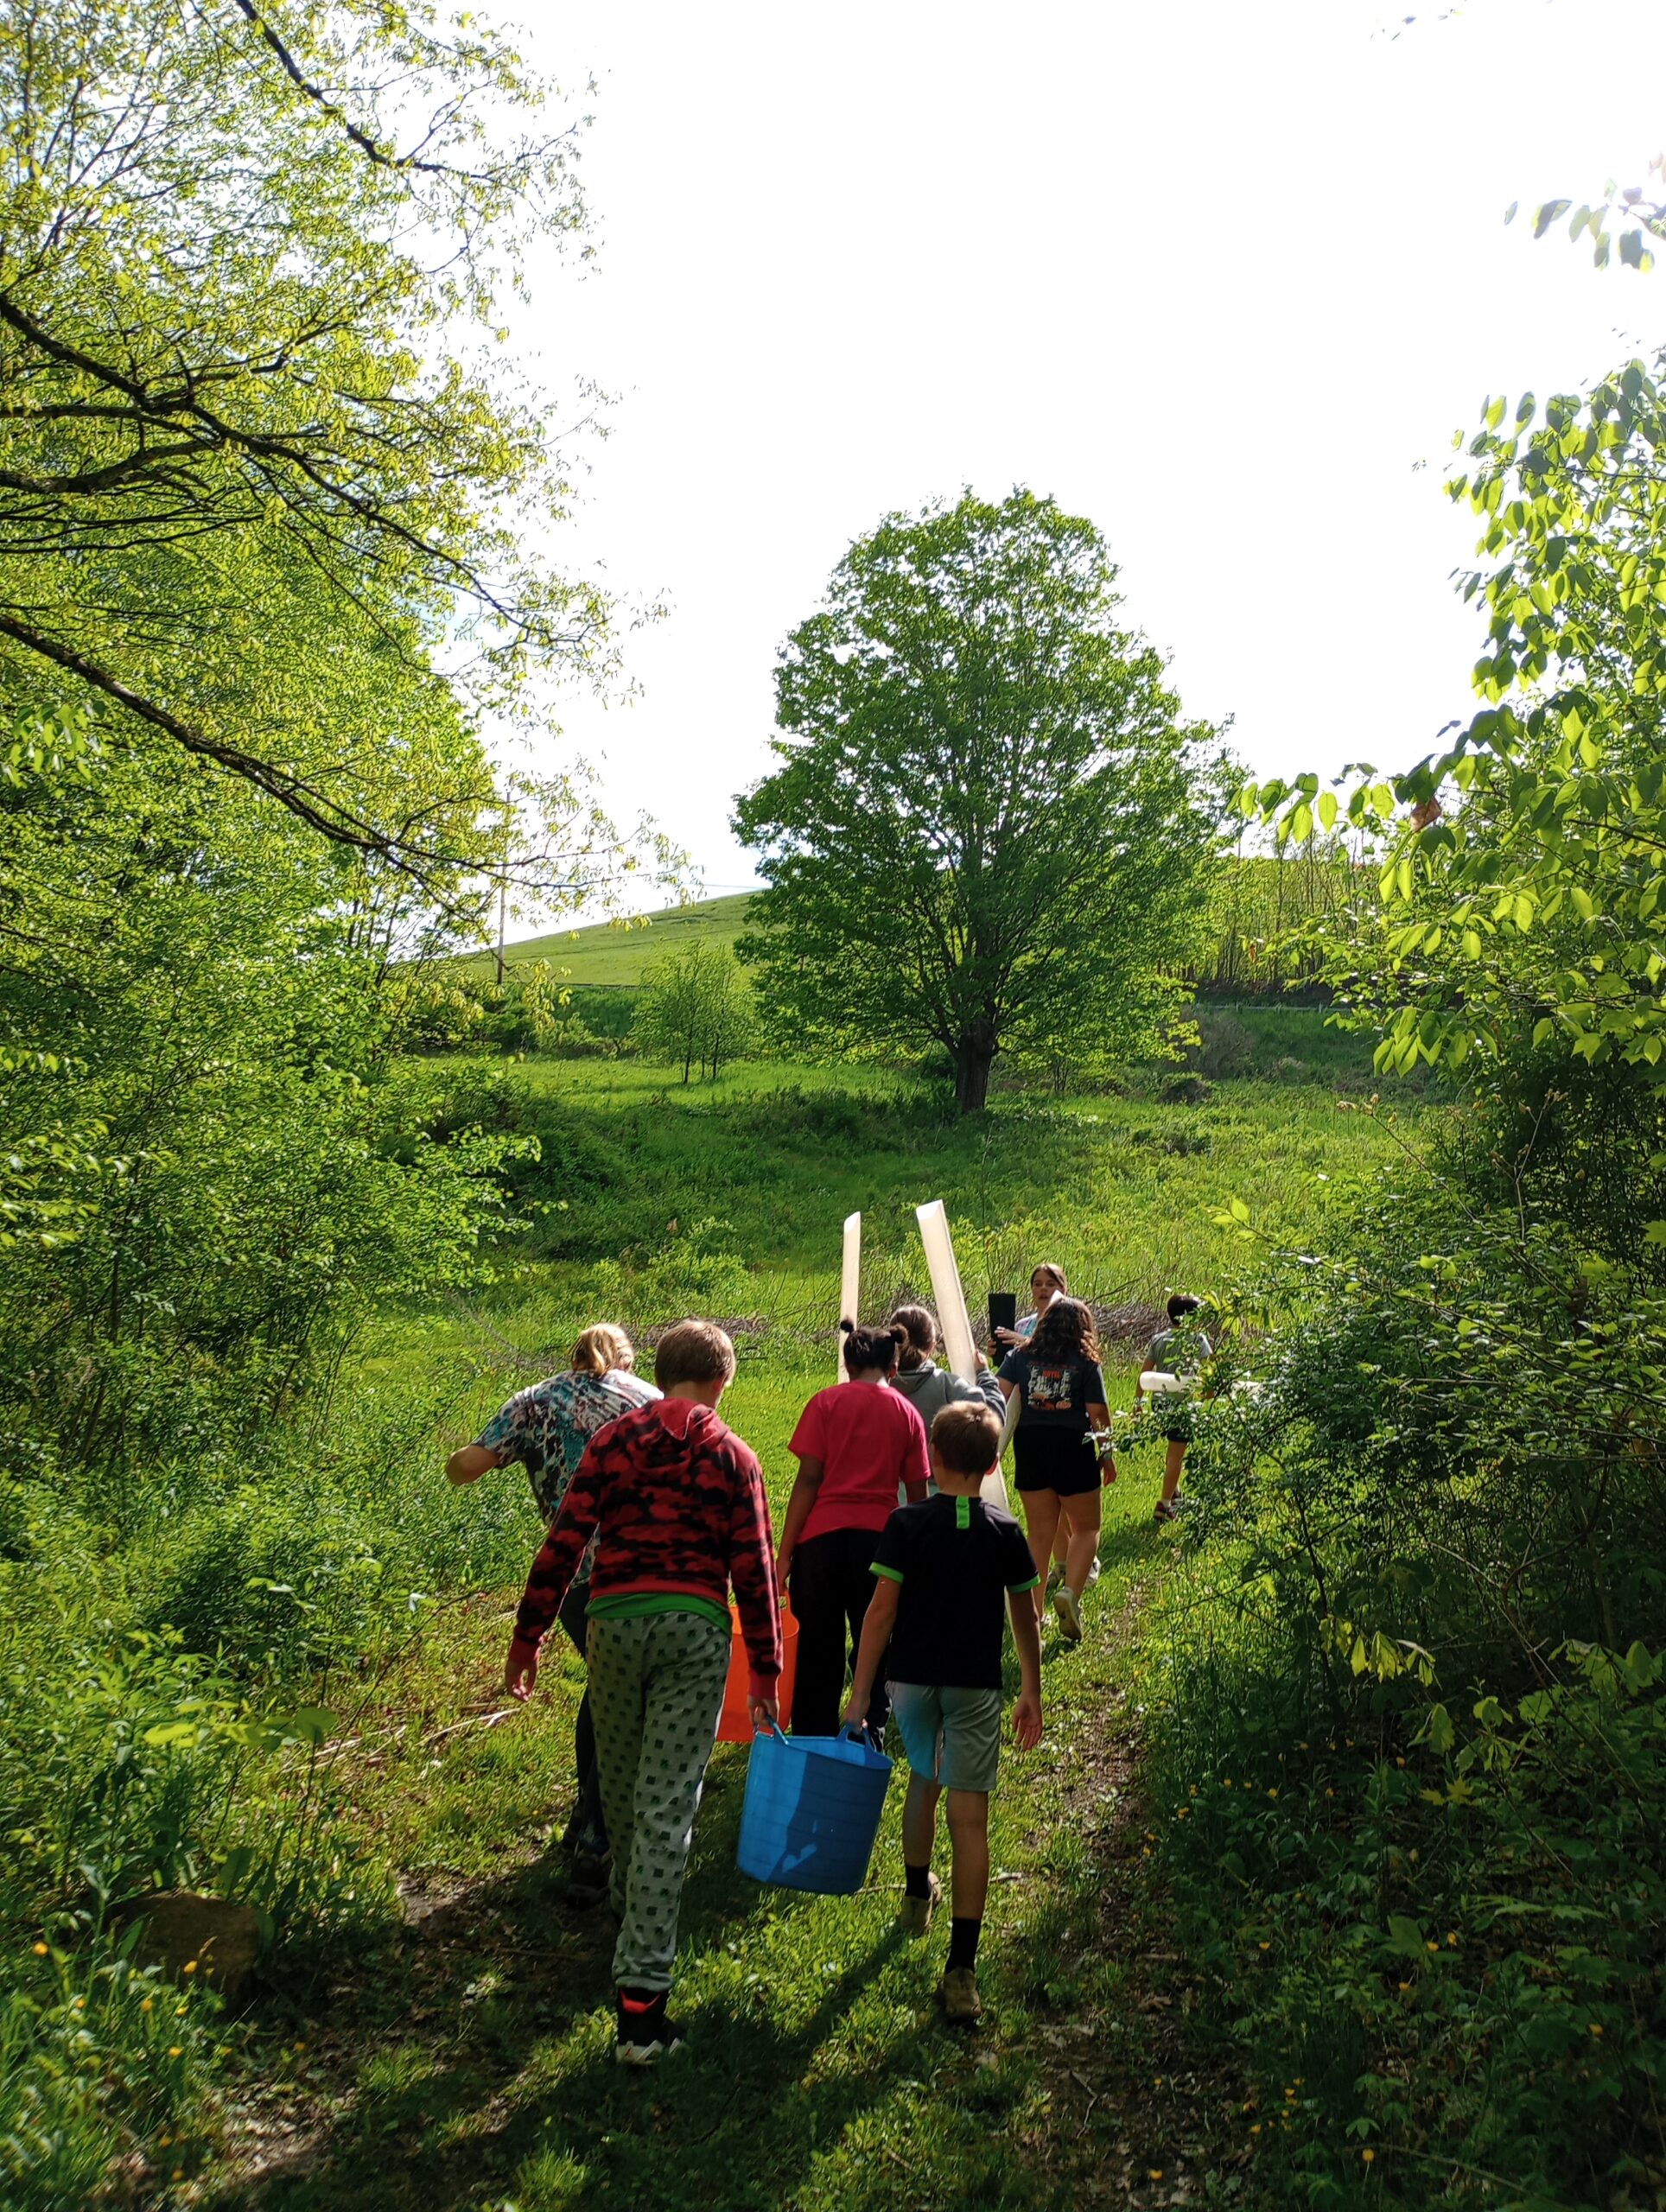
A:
<point x="962" y="1513"/>
<point x="891" y="1574"/>
<point x="1019" y="1588"/>
<point x="639" y="1606"/>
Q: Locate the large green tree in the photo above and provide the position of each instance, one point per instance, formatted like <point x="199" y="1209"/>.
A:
<point x="262" y="447"/>
<point x="990" y="825"/>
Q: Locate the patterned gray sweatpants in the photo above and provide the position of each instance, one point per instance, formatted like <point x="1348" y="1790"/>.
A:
<point x="656" y="1692"/>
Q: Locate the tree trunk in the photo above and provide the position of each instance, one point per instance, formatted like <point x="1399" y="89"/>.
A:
<point x="974" y="1057"/>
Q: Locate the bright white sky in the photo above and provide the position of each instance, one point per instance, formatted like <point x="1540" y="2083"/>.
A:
<point x="1225" y="278"/>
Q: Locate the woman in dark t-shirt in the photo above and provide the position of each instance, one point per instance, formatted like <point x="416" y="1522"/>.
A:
<point x="1062" y="1404"/>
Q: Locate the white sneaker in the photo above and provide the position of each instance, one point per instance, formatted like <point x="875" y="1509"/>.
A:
<point x="1070" y="1616"/>
<point x="1093" y="1572"/>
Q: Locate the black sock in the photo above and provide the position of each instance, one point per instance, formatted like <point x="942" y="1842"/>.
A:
<point x="916" y="1880"/>
<point x="962" y="1944"/>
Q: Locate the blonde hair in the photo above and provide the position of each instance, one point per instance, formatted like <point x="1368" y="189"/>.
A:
<point x="602" y="1348"/>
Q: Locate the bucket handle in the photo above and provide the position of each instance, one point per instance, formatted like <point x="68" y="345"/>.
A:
<point x="847" y="1733"/>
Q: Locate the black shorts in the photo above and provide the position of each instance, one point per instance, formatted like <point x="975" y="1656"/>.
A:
<point x="1060" y="1459"/>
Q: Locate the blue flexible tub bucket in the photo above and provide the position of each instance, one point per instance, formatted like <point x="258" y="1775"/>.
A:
<point x="812" y="1811"/>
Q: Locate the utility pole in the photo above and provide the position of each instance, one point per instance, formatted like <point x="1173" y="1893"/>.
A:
<point x="503" y="887"/>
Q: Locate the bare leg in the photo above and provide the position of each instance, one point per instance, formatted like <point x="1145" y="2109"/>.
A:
<point x="1041" y="1522"/>
<point x="919" y="1810"/>
<point x="1081" y="1518"/>
<point x="969" y="1840"/>
<point x="1173" y="1460"/>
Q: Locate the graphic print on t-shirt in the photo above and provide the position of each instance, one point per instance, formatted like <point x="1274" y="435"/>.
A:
<point x="1050" y="1389"/>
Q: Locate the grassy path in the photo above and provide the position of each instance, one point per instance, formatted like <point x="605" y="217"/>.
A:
<point x="466" y="2063"/>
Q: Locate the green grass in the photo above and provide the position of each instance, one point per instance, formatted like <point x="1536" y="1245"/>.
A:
<point x="475" y="2069"/>
<point x="470" y="2069"/>
<point x="729" y="1198"/>
<point x="617" y="952"/>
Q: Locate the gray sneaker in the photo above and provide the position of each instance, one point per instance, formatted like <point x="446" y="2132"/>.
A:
<point x="1069" y="1613"/>
<point x="915" y="1914"/>
<point x="961" y="2005"/>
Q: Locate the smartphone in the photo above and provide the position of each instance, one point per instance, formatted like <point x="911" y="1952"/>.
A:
<point x="1003" y="1310"/>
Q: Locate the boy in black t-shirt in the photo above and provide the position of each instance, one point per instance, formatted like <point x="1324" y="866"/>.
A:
<point x="943" y="1567"/>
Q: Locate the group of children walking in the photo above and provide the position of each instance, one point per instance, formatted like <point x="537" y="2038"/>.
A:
<point x="897" y="1552"/>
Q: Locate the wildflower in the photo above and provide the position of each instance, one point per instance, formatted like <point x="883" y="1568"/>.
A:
<point x="1431" y="1947"/>
<point x="1272" y="1793"/>
<point x="190" y="1966"/>
<point x="1403" y="1987"/>
<point x="146" y="2004"/>
<point x="1180" y="1815"/>
<point x="1153" y="2173"/>
<point x="179" y="2012"/>
<point x="179" y="2173"/>
<point x="1289" y="2093"/>
<point x="1329" y="1793"/>
<point x="1369" y="2157"/>
<point x="1450" y="1936"/>
<point x="41" y="1950"/>
<point x="1399" y="1762"/>
<point x="175" y="2051"/>
<point x="1596" y="2027"/>
<point x="1301" y="1747"/>
<point x="1255" y="2127"/>
<point x="1266" y="1947"/>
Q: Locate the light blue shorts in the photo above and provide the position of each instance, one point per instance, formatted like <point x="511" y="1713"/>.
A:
<point x="951" y="1736"/>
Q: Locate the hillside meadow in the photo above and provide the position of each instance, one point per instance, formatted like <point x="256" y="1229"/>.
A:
<point x="286" y="1655"/>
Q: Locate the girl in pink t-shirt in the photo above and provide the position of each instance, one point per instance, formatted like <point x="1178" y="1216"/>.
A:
<point x="854" y="1443"/>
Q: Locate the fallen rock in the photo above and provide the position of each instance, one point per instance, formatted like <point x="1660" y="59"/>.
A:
<point x="217" y="1938"/>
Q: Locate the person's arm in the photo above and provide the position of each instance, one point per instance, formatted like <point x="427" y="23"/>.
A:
<point x="915" y="1473"/>
<point x="1008" y="1377"/>
<point x="877" y="1623"/>
<point x="985" y="1387"/>
<point x="552" y="1570"/>
<point x="1140" y="1394"/>
<point x="1026" y="1640"/>
<point x="810" y="1471"/>
<point x="752" y="1573"/>
<point x="470" y="1461"/>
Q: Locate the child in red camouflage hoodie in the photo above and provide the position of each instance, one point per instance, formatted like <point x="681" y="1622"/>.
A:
<point x="679" y="1502"/>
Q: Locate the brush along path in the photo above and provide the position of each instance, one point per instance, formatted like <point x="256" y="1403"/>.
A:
<point x="467" y="2061"/>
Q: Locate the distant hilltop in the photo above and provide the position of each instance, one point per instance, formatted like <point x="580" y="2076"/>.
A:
<point x="615" y="953"/>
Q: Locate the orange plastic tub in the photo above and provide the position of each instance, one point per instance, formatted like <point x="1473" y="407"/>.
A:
<point x="734" y="1726"/>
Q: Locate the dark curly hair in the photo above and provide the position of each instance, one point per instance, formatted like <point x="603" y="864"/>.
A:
<point x="869" y="1352"/>
<point x="1066" y="1331"/>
